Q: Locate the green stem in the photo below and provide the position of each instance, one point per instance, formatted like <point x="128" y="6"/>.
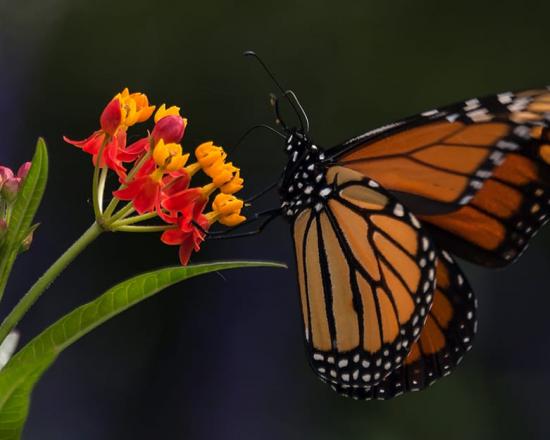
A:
<point x="143" y="228"/>
<point x="111" y="206"/>
<point x="45" y="280"/>
<point x="124" y="211"/>
<point x="132" y="220"/>
<point x="95" y="183"/>
<point x="101" y="187"/>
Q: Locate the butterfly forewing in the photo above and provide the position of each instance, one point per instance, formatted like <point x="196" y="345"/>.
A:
<point x="445" y="338"/>
<point x="477" y="173"/>
<point x="366" y="272"/>
<point x="430" y="165"/>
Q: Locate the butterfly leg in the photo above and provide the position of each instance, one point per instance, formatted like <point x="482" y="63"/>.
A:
<point x="262" y="192"/>
<point x="270" y="215"/>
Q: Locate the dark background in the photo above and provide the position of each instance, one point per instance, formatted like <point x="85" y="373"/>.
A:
<point x="222" y="358"/>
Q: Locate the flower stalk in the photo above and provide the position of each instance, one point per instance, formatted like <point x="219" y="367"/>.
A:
<point x="48" y="278"/>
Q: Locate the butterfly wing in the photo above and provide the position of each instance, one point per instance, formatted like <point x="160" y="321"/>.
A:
<point x="445" y="338"/>
<point x="366" y="272"/>
<point x="478" y="172"/>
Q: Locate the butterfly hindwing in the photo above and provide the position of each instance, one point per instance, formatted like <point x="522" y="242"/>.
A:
<point x="366" y="272"/>
<point x="445" y="338"/>
<point x="477" y="173"/>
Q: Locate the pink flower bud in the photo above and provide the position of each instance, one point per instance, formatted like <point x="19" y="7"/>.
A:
<point x="111" y="117"/>
<point x="24" y="170"/>
<point x="10" y="188"/>
<point x="5" y="174"/>
<point x="170" y="129"/>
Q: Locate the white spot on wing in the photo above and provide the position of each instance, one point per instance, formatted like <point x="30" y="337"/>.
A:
<point x="429" y="113"/>
<point x="398" y="210"/>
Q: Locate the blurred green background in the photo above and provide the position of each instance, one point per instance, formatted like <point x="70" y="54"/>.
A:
<point x="223" y="357"/>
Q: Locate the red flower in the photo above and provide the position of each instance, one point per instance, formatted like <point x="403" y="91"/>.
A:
<point x="111" y="117"/>
<point x="113" y="152"/>
<point x="135" y="150"/>
<point x="144" y="189"/>
<point x="165" y="166"/>
<point x="178" y="201"/>
<point x="187" y="235"/>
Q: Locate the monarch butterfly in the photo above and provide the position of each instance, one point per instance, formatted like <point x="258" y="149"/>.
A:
<point x="375" y="220"/>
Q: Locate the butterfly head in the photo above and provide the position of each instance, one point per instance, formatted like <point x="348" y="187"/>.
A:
<point x="296" y="143"/>
<point x="304" y="184"/>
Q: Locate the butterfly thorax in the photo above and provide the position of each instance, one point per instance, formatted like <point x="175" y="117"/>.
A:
<point x="303" y="184"/>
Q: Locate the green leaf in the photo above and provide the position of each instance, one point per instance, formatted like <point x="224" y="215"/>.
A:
<point x="24" y="209"/>
<point x="18" y="378"/>
<point x="16" y="386"/>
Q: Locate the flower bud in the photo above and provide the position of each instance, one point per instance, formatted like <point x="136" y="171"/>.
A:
<point x="170" y="129"/>
<point x="5" y="174"/>
<point x="10" y="188"/>
<point x="111" y="117"/>
<point x="24" y="170"/>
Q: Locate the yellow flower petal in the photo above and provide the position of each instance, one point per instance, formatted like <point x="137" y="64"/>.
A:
<point x="208" y="154"/>
<point x="169" y="156"/>
<point x="225" y="204"/>
<point x="163" y="111"/>
<point x="177" y="162"/>
<point x="160" y="153"/>
<point x="135" y="107"/>
<point x="222" y="177"/>
<point x="234" y="185"/>
<point x="232" y="220"/>
<point x="145" y="113"/>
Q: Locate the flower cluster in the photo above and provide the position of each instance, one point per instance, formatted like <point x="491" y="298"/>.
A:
<point x="155" y="175"/>
<point x="10" y="183"/>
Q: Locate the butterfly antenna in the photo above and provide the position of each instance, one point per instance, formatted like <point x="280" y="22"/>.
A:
<point x="250" y="53"/>
<point x="291" y="93"/>
<point x="250" y="131"/>
<point x="275" y="103"/>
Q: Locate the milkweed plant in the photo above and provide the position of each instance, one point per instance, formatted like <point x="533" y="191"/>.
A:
<point x="154" y="194"/>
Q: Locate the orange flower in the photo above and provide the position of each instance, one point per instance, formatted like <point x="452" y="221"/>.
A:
<point x="123" y="111"/>
<point x="145" y="189"/>
<point x="226" y="209"/>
